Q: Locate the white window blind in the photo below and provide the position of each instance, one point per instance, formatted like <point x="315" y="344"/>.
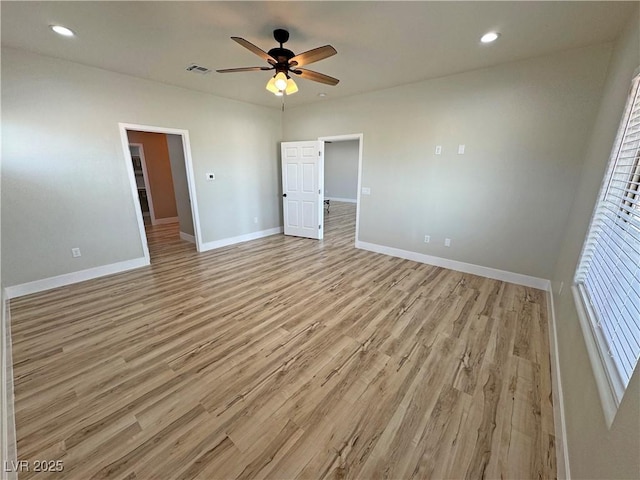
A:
<point x="608" y="275"/>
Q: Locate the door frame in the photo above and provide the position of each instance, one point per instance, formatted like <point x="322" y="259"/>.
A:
<point x="186" y="148"/>
<point x="344" y="138"/>
<point x="145" y="178"/>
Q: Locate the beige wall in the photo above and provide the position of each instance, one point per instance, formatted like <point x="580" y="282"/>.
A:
<point x="64" y="171"/>
<point x="505" y="202"/>
<point x="596" y="451"/>
<point x="156" y="155"/>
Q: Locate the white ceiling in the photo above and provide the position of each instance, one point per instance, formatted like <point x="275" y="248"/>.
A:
<point x="380" y="44"/>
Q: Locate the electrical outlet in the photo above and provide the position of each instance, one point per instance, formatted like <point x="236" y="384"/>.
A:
<point x="447" y="242"/>
<point x="427" y="238"/>
<point x="75" y="252"/>
<point x="366" y="191"/>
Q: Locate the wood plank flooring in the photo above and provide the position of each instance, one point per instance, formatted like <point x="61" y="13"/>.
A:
<point x="284" y="358"/>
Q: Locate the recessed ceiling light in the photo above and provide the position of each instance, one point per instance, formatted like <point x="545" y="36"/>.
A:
<point x="489" y="37"/>
<point x="60" y="30"/>
<point x="322" y="95"/>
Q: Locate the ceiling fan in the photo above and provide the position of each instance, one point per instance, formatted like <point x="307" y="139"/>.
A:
<point x="285" y="62"/>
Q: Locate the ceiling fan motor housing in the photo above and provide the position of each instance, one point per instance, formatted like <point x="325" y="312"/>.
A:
<point x="282" y="56"/>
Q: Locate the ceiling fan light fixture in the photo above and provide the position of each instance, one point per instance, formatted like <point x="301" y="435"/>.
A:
<point x="280" y="80"/>
<point x="291" y="87"/>
<point x="271" y="85"/>
<point x="279" y="93"/>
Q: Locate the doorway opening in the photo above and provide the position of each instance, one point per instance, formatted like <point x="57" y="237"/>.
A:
<point x="162" y="185"/>
<point x="342" y="184"/>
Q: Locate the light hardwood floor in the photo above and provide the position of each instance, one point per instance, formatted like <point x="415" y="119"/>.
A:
<point x="284" y="358"/>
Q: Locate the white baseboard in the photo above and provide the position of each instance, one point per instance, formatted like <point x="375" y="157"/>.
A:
<point x="74" y="277"/>
<point x="8" y="450"/>
<point x="562" y="453"/>
<point x="338" y="199"/>
<point x="164" y="221"/>
<point x="241" y="238"/>
<point x="510" y="277"/>
<point x="188" y="238"/>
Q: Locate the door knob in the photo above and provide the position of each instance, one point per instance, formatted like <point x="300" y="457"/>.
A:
<point x="284" y="194"/>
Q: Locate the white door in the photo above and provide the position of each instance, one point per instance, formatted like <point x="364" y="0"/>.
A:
<point x="302" y="188"/>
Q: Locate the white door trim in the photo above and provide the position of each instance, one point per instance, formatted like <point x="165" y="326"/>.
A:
<point x="145" y="178"/>
<point x="191" y="182"/>
<point x="342" y="138"/>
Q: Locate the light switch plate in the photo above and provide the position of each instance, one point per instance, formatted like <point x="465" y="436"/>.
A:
<point x="438" y="149"/>
<point x="461" y="149"/>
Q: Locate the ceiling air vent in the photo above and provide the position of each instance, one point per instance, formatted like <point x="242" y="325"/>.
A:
<point x="198" y="69"/>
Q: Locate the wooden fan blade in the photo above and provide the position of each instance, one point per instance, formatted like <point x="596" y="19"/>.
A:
<point x="315" y="76"/>
<point x="257" y="50"/>
<point x="243" y="69"/>
<point x="311" y="56"/>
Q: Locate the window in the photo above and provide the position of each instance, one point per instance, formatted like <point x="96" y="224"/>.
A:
<point x="607" y="282"/>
